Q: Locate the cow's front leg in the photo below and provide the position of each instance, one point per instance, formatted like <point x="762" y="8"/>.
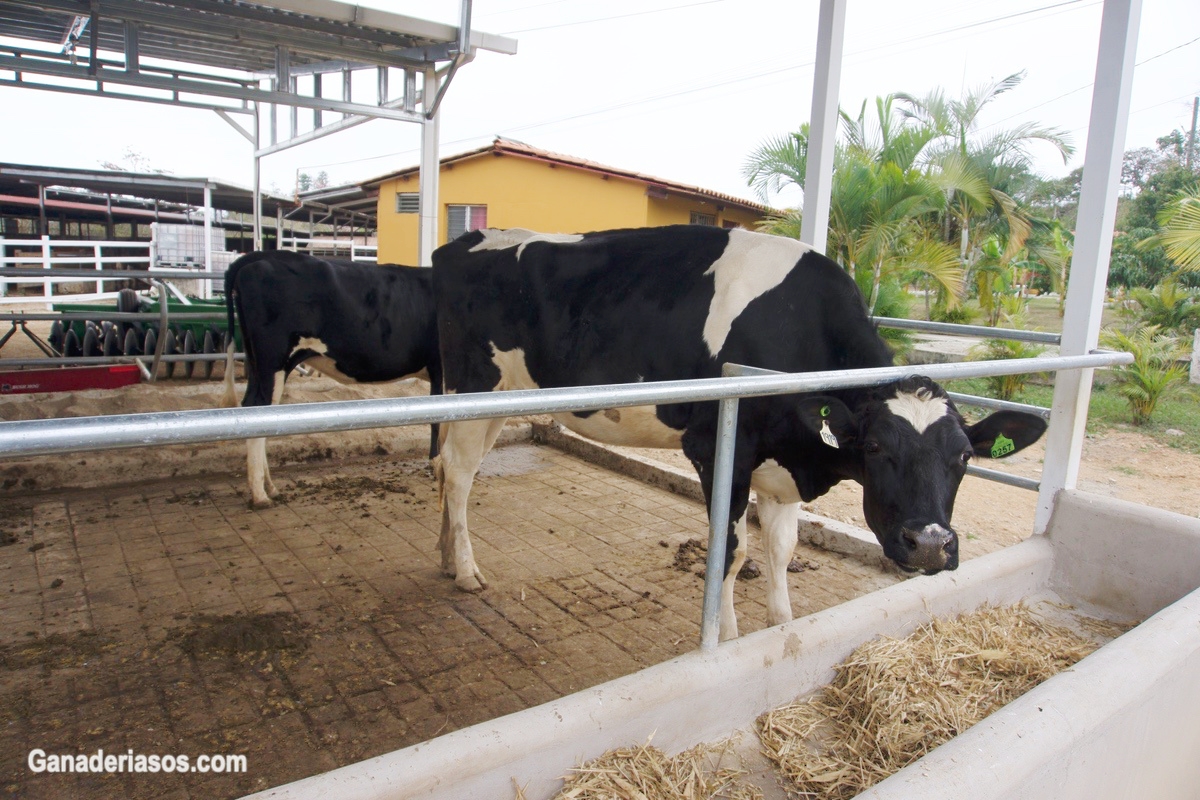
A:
<point x="778" y="523"/>
<point x="736" y="545"/>
<point x="699" y="448"/>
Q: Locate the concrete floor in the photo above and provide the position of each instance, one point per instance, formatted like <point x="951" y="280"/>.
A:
<point x="169" y="618"/>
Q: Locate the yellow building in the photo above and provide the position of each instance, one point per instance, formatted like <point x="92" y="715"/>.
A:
<point x="512" y="185"/>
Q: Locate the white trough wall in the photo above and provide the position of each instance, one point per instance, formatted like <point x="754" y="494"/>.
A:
<point x="1132" y="707"/>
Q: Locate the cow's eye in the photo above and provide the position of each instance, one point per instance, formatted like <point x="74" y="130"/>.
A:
<point x="871" y="447"/>
<point x="966" y="456"/>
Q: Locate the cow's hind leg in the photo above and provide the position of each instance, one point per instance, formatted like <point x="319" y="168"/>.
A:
<point x="778" y="523"/>
<point x="258" y="471"/>
<point x="464" y="446"/>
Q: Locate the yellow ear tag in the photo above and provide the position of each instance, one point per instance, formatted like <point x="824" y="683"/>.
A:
<point x="827" y="435"/>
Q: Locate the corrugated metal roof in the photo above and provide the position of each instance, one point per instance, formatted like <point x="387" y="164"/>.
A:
<point x="237" y="35"/>
<point x="23" y="179"/>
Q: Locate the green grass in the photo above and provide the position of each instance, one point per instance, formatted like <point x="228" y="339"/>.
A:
<point x="1109" y="411"/>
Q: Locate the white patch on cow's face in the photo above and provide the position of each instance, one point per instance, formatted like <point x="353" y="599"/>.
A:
<point x="774" y="482"/>
<point x="921" y="408"/>
<point x="637" y="426"/>
<point x="519" y="238"/>
<point x="752" y="265"/>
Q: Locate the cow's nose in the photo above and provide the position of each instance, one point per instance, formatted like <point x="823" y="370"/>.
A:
<point x="930" y="548"/>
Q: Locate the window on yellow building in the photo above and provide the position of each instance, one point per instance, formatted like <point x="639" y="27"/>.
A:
<point x="703" y="219"/>
<point x="461" y="219"/>
<point x="408" y="203"/>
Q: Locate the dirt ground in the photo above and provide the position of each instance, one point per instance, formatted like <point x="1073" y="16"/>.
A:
<point x="147" y="609"/>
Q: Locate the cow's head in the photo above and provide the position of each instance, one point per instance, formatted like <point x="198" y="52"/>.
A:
<point x="908" y="446"/>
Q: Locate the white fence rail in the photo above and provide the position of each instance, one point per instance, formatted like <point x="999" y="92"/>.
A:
<point x="47" y="254"/>
<point x="54" y="261"/>
<point x="355" y="250"/>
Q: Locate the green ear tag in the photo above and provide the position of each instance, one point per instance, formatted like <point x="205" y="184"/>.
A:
<point x="824" y="411"/>
<point x="1002" y="446"/>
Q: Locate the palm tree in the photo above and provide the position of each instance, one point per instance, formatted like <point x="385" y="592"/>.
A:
<point x="877" y="230"/>
<point x="978" y="173"/>
<point x="1180" y="230"/>
<point x="879" y="201"/>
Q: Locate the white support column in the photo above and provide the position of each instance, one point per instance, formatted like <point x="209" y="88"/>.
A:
<point x="1093" y="241"/>
<point x="205" y="292"/>
<point x="47" y="284"/>
<point x="258" y="242"/>
<point x="822" y="129"/>
<point x="427" y="236"/>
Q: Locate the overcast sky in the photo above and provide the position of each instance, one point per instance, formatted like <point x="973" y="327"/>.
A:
<point x="679" y="89"/>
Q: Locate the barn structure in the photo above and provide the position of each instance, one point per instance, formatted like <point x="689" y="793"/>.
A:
<point x="1120" y="724"/>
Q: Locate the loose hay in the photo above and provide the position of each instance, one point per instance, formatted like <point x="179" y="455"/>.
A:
<point x="894" y="700"/>
<point x="646" y="773"/>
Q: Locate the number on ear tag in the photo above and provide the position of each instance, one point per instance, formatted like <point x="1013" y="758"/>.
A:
<point x="827" y="435"/>
<point x="1002" y="446"/>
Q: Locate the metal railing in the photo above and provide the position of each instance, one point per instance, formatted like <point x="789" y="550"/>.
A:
<point x="149" y="362"/>
<point x="332" y="246"/>
<point x="43" y="437"/>
<point x="49" y="257"/>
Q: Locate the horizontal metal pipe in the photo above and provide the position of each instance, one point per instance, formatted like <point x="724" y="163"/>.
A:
<point x="112" y="316"/>
<point x="92" y="361"/>
<point x="36" y="437"/>
<point x="1004" y="477"/>
<point x="955" y="329"/>
<point x="106" y="274"/>
<point x="998" y="405"/>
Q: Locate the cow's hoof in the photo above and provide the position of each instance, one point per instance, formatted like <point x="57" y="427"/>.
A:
<point x="260" y="503"/>
<point x="470" y="583"/>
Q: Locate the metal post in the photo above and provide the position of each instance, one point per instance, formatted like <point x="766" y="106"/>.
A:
<point x="718" y="524"/>
<point x="47" y="284"/>
<point x="317" y="80"/>
<point x="206" y="293"/>
<point x="1093" y="241"/>
<point x="98" y="253"/>
<point x="258" y="245"/>
<point x="427" y="234"/>
<point x="822" y="129"/>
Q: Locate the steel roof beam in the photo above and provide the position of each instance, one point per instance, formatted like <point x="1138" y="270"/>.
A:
<point x="204" y="88"/>
<point x="141" y="98"/>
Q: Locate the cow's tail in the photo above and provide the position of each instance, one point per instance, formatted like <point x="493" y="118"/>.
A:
<point x="229" y="399"/>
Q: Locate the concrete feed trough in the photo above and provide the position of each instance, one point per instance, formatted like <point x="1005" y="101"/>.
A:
<point x="1124" y="722"/>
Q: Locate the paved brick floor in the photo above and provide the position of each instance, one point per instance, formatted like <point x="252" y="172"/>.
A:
<point x="171" y="619"/>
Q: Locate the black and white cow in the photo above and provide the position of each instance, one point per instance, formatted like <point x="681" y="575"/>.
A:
<point x="357" y="323"/>
<point x="519" y="310"/>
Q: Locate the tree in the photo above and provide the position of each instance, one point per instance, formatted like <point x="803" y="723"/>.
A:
<point x="984" y="176"/>
<point x="133" y="161"/>
<point x="1180" y="230"/>
<point x="1155" y="372"/>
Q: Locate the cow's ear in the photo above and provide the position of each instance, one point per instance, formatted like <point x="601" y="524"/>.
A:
<point x="1004" y="433"/>
<point x="829" y="418"/>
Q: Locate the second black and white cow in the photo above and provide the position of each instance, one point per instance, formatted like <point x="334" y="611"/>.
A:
<point x="357" y="323"/>
<point x="519" y="310"/>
